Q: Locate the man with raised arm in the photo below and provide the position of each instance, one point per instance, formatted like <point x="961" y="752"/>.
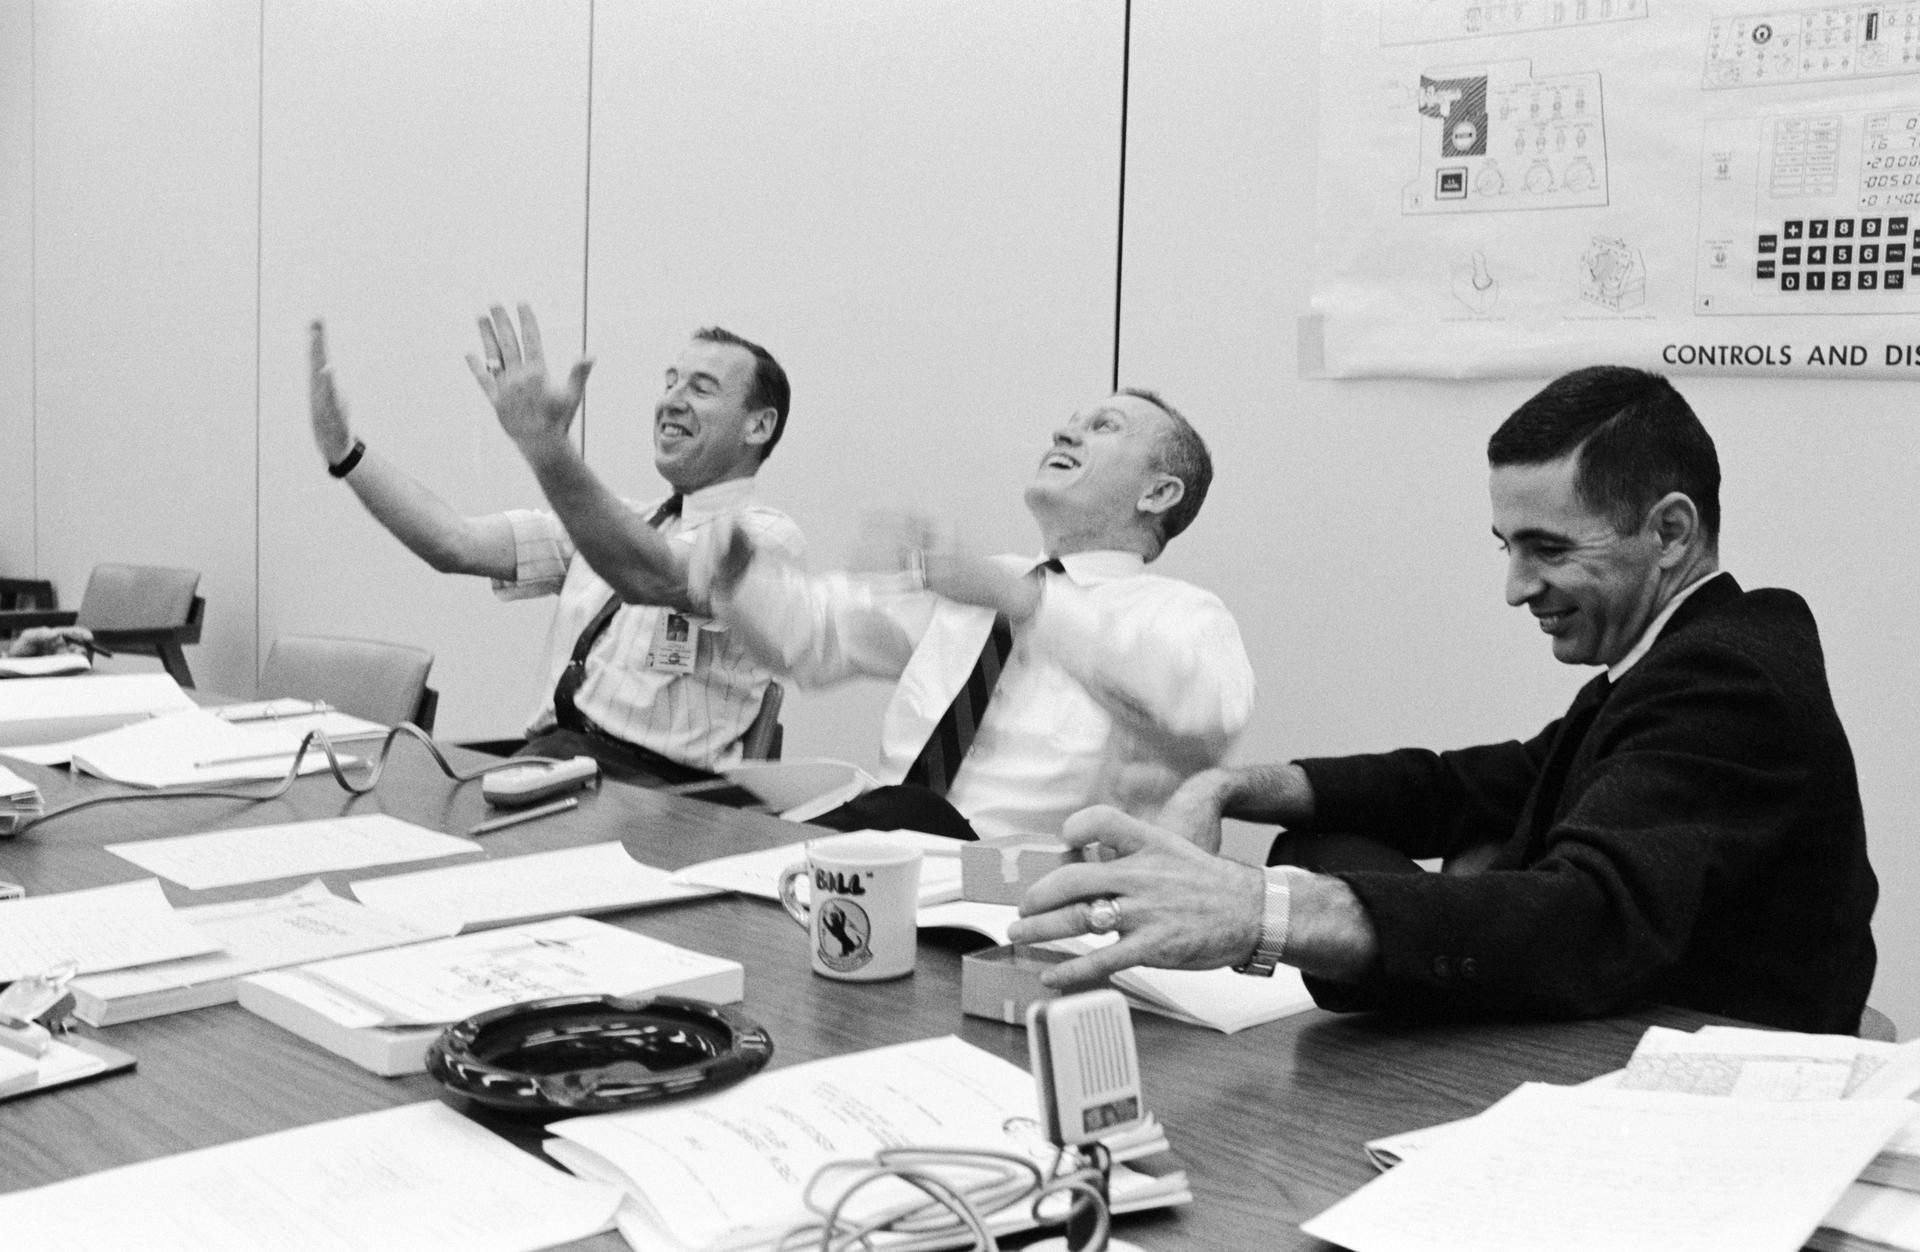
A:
<point x="635" y="678"/>
<point x="1690" y="832"/>
<point x="1026" y="686"/>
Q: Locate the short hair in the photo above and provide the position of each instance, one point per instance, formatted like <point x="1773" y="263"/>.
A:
<point x="1183" y="454"/>
<point x="769" y="389"/>
<point x="1637" y="440"/>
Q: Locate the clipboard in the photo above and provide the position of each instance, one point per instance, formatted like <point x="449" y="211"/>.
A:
<point x="74" y="1059"/>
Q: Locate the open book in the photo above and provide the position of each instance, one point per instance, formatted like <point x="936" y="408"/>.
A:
<point x="728" y="1170"/>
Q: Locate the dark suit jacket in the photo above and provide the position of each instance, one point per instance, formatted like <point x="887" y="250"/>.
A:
<point x="1705" y="846"/>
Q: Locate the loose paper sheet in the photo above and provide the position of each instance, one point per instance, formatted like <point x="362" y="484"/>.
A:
<point x="595" y="879"/>
<point x="101" y="928"/>
<point x="418" y="1176"/>
<point x="1596" y="1170"/>
<point x="308" y="923"/>
<point x="221" y="858"/>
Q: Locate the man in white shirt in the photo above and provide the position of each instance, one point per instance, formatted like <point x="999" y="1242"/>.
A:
<point x="1689" y="833"/>
<point x="633" y="675"/>
<point x="1114" y="684"/>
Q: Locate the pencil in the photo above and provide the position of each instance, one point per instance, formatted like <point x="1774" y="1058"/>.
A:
<point x="525" y="815"/>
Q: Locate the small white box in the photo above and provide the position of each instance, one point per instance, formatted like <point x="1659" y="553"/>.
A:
<point x="1001" y="982"/>
<point x="999" y="871"/>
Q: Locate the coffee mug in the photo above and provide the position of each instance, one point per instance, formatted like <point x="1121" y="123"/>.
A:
<point x="862" y="895"/>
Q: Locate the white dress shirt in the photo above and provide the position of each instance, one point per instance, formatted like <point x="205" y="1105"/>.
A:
<point x="697" y="719"/>
<point x="1120" y="686"/>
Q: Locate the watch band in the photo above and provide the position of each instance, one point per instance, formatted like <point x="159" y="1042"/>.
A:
<point x="1274" y="919"/>
<point x="344" y="466"/>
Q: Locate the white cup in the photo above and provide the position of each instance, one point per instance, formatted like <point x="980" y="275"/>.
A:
<point x="863" y="895"/>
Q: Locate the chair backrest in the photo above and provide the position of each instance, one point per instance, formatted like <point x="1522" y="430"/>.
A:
<point x="762" y="740"/>
<point x="138" y="597"/>
<point x="382" y="682"/>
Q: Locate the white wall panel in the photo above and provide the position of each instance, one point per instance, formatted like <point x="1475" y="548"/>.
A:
<point x="421" y="161"/>
<point x="1349" y="523"/>
<point x="16" y="291"/>
<point x="145" y="243"/>
<point x="912" y="206"/>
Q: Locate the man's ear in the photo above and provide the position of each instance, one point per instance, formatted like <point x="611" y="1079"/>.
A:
<point x="1161" y="494"/>
<point x="1675" y="521"/>
<point x="760" y="425"/>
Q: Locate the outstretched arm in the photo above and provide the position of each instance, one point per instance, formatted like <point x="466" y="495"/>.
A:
<point x="635" y="559"/>
<point x="415" y="516"/>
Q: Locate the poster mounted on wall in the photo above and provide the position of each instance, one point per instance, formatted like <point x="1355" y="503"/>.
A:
<point x="1513" y="188"/>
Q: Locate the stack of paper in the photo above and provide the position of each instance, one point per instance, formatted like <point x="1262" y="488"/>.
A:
<point x="725" y="1170"/>
<point x="49" y="711"/>
<point x="597" y="878"/>
<point x="193" y="746"/>
<point x="1590" y="1169"/>
<point x="309" y="923"/>
<point x="1879" y="1213"/>
<point x="20" y="802"/>
<point x="802" y="788"/>
<point x="221" y="858"/>
<point x="380" y="1010"/>
<point x="418" y="1176"/>
<point x="98" y="929"/>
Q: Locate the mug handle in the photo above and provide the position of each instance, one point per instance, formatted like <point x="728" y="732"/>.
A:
<point x="788" y="897"/>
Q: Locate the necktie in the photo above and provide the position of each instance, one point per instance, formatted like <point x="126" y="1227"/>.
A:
<point x="565" y="711"/>
<point x="946" y="747"/>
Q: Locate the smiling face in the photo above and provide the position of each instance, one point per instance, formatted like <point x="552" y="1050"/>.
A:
<point x="1592" y="589"/>
<point x="1099" y="484"/>
<point x="705" y="430"/>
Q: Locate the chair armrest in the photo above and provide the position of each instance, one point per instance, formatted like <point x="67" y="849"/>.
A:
<point x="13" y="621"/>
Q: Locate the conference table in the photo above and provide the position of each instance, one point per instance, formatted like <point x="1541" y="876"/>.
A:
<point x="1269" y="1123"/>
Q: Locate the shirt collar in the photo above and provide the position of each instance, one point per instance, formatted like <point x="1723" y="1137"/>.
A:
<point x="1100" y="567"/>
<point x="710" y="502"/>
<point x="1632" y="658"/>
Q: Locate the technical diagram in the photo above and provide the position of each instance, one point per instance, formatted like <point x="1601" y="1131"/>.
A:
<point x="1612" y="275"/>
<point x="1428" y="21"/>
<point x="1810" y="213"/>
<point x="1840" y="41"/>
<point x="1496" y="138"/>
<point x="1474" y="284"/>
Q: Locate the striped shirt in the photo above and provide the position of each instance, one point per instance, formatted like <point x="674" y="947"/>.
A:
<point x="697" y="719"/>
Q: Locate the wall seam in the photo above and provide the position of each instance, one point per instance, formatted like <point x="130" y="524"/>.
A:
<point x="586" y="223"/>
<point x="1120" y="211"/>
<point x="259" y="323"/>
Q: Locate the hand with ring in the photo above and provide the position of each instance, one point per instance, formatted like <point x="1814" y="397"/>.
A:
<point x="512" y="371"/>
<point x="1184" y="908"/>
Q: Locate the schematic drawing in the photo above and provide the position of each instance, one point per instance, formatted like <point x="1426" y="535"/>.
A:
<point x="1810" y="213"/>
<point x="1431" y="21"/>
<point x="1474" y="284"/>
<point x="1825" y="44"/>
<point x="1495" y="138"/>
<point x="1612" y="275"/>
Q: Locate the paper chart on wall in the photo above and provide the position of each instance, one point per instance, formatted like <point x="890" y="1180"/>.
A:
<point x="1518" y="189"/>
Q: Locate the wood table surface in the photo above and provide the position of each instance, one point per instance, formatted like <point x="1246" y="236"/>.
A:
<point x="1269" y="1123"/>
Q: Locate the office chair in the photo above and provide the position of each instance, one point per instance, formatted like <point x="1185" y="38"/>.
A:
<point x="381" y="682"/>
<point x="143" y="610"/>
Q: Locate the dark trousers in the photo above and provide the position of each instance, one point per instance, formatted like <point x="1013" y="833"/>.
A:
<point x="903" y="807"/>
<point x="619" y="760"/>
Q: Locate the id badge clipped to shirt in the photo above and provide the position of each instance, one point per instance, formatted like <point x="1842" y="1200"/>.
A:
<point x="675" y="647"/>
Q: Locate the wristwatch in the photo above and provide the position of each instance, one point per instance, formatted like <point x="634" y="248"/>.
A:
<point x="1273" y="925"/>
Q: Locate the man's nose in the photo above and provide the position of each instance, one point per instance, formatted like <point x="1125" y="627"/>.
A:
<point x="1523" y="581"/>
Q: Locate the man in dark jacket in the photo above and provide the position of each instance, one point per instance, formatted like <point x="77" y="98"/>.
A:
<point x="1690" y="831"/>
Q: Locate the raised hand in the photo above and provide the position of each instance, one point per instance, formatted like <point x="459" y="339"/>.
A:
<point x="512" y="371"/>
<point x="328" y="413"/>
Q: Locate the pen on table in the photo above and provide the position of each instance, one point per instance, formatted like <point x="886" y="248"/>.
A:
<point x="525" y="815"/>
<point x="93" y="649"/>
<point x="285" y="754"/>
